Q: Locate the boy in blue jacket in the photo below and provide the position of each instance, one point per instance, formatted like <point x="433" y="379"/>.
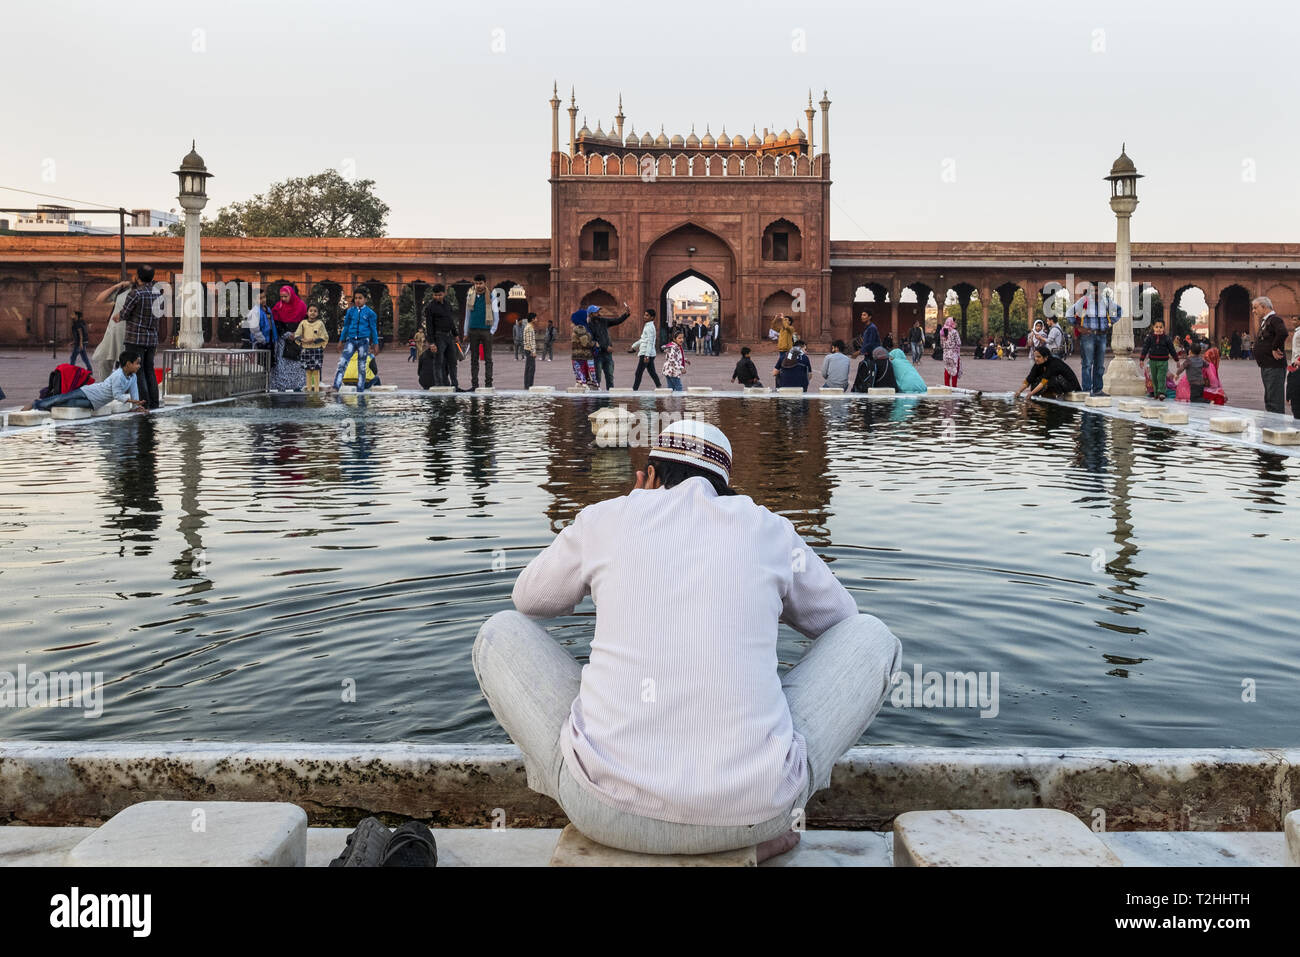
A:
<point x="360" y="330"/>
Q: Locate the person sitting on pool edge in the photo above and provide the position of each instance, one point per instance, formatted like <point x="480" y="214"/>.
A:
<point x="1048" y="376"/>
<point x="679" y="736"/>
<point x="119" y="389"/>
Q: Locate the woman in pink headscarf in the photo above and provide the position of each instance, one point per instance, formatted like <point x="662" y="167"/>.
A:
<point x="288" y="374"/>
<point x="951" y="351"/>
<point x="1214" y="392"/>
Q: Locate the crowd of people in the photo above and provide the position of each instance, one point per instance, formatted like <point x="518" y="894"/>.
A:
<point x="1185" y="368"/>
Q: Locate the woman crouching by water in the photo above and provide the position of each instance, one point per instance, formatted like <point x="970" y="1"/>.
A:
<point x="1049" y="376"/>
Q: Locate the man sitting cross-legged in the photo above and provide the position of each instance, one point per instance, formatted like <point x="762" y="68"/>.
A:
<point x="679" y="736"/>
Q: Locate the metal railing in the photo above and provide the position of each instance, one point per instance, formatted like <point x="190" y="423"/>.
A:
<point x="206" y="374"/>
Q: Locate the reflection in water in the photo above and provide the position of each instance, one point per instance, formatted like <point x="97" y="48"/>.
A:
<point x="191" y="565"/>
<point x="1124" y="566"/>
<point x="129" y="469"/>
<point x="1272" y="476"/>
<point x="312" y="540"/>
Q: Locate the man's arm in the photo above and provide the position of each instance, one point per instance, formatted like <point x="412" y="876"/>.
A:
<point x="815" y="600"/>
<point x="553" y="584"/>
<point x="615" y="322"/>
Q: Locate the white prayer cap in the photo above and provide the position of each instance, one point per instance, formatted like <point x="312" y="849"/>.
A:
<point x="695" y="443"/>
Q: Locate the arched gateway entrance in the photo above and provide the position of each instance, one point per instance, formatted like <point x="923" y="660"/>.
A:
<point x="690" y="251"/>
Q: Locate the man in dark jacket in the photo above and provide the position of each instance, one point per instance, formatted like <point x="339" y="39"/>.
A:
<point x="1270" y="353"/>
<point x="793" y="368"/>
<point x="599" y="327"/>
<point x="870" y="336"/>
<point x="80" y="338"/>
<point x="440" y="333"/>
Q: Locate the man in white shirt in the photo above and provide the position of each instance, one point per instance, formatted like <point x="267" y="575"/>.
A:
<point x="679" y="736"/>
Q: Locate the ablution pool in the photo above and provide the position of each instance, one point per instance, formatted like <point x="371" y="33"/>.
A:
<point x="307" y="569"/>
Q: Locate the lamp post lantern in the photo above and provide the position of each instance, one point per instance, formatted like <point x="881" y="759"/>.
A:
<point x="193" y="196"/>
<point x="1122" y="376"/>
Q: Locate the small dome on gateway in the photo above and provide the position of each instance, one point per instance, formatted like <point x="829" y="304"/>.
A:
<point x="753" y="138"/>
<point x="600" y="133"/>
<point x="738" y="141"/>
<point x="677" y="140"/>
<point x="661" y="139"/>
<point x="647" y="139"/>
<point x="631" y="138"/>
<point x="799" y="135"/>
<point x="783" y="136"/>
<point x="769" y="138"/>
<point x="692" y="140"/>
<point x="708" y="142"/>
<point x="584" y="131"/>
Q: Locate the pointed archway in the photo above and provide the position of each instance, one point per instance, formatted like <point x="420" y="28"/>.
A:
<point x="690" y="251"/>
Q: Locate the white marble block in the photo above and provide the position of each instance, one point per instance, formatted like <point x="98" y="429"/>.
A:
<point x="1282" y="436"/>
<point x="198" y="834"/>
<point x="621" y="390"/>
<point x="541" y="388"/>
<point x="31" y="417"/>
<point x="881" y="391"/>
<point x="1174" y="417"/>
<point x="1227" y="423"/>
<point x="575" y="849"/>
<point x="382" y="388"/>
<point x="663" y="390"/>
<point x="1035" y="837"/>
<point x="441" y="388"/>
<point x="1131" y="405"/>
<point x="699" y="388"/>
<point x="825" y="391"/>
<point x="938" y="390"/>
<point x="485" y="390"/>
<point x="1099" y="401"/>
<point x="71" y="412"/>
<point x="579" y="389"/>
<point x="790" y="390"/>
<point x="756" y="390"/>
<point x="347" y="390"/>
<point x="1291" y="826"/>
<point x="1151" y="411"/>
<point x="177" y="399"/>
<point x="1076" y="397"/>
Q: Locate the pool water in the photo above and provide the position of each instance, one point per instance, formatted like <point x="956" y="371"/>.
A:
<point x="297" y="568"/>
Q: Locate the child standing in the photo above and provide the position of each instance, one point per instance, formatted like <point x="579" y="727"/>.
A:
<point x="582" y="351"/>
<point x="1159" y="348"/>
<point x="313" y="338"/>
<point x="746" y="373"/>
<point x="675" y="361"/>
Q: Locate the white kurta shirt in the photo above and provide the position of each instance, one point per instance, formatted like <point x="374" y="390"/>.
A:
<point x="680" y="716"/>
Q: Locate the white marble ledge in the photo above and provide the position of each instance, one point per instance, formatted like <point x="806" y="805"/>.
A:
<point x="532" y="847"/>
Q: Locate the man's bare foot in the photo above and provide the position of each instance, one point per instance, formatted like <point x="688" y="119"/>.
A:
<point x="778" y="845"/>
<point x="26" y="408"/>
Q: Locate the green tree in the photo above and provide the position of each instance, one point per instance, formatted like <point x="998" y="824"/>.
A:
<point x="319" y="206"/>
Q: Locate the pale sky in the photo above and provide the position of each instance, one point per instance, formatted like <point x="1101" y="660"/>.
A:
<point x="949" y="120"/>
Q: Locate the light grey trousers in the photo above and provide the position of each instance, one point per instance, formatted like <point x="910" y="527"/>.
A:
<point x="530" y="682"/>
